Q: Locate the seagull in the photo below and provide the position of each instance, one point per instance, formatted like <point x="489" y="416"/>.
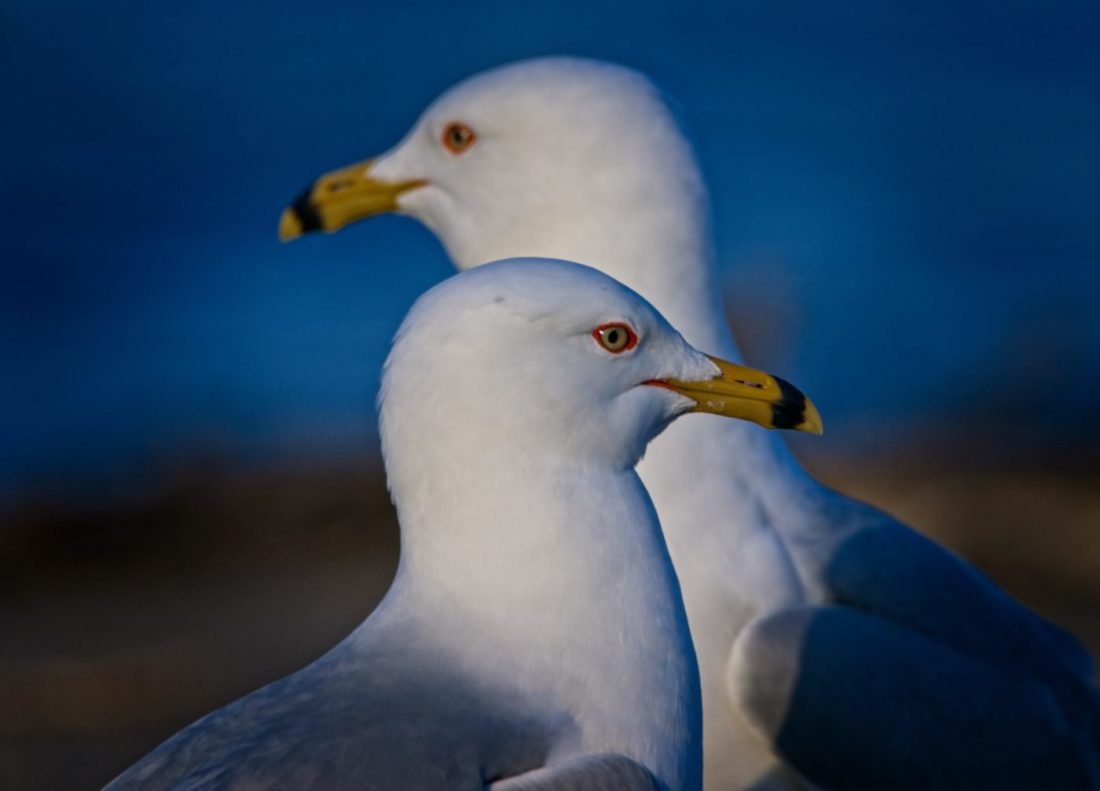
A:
<point x="835" y="645"/>
<point x="534" y="636"/>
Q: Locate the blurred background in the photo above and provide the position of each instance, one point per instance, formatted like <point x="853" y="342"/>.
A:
<point x="907" y="205"/>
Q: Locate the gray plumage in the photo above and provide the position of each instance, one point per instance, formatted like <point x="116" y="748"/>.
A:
<point x="917" y="672"/>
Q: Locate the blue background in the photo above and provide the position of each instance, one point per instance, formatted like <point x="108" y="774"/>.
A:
<point x="907" y="204"/>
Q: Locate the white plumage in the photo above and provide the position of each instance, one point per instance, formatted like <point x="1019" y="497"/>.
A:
<point x="826" y="632"/>
<point x="534" y="636"/>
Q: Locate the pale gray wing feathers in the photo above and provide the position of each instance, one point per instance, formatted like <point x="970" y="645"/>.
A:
<point x="856" y="702"/>
<point x="915" y="672"/>
<point x="887" y="569"/>
<point x="601" y="772"/>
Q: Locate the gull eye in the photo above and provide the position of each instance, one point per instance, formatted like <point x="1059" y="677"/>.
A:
<point x="616" y="338"/>
<point x="458" y="137"/>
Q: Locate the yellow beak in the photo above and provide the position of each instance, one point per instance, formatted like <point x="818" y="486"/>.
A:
<point x="340" y="198"/>
<point x="752" y="395"/>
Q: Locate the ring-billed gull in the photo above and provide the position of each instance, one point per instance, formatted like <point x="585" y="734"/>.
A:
<point x="534" y="636"/>
<point x="950" y="682"/>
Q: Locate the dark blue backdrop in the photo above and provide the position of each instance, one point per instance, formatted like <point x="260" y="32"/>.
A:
<point x="907" y="200"/>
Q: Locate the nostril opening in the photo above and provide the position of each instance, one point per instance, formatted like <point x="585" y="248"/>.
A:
<point x="336" y="186"/>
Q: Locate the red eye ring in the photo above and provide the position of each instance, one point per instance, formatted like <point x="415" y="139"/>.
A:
<point x="615" y="337"/>
<point x="458" y="137"/>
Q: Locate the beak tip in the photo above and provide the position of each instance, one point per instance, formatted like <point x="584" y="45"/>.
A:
<point x="290" y="227"/>
<point x="812" y="424"/>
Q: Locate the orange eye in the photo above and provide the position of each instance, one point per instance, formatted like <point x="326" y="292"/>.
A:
<point x="458" y="137"/>
<point x="616" y="338"/>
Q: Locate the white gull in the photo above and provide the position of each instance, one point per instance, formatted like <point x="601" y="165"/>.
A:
<point x="534" y="636"/>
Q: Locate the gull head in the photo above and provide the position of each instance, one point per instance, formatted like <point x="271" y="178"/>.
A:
<point x="551" y="156"/>
<point x="541" y="359"/>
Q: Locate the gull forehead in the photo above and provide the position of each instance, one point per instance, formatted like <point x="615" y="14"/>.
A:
<point x="544" y="81"/>
<point x="569" y="107"/>
<point x="537" y="287"/>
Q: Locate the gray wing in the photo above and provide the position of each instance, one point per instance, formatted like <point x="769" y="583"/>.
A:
<point x="347" y="722"/>
<point x="918" y="672"/>
<point x="264" y="739"/>
<point x="295" y="735"/>
<point x="602" y="772"/>
<point x="855" y="702"/>
<point x="889" y="570"/>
